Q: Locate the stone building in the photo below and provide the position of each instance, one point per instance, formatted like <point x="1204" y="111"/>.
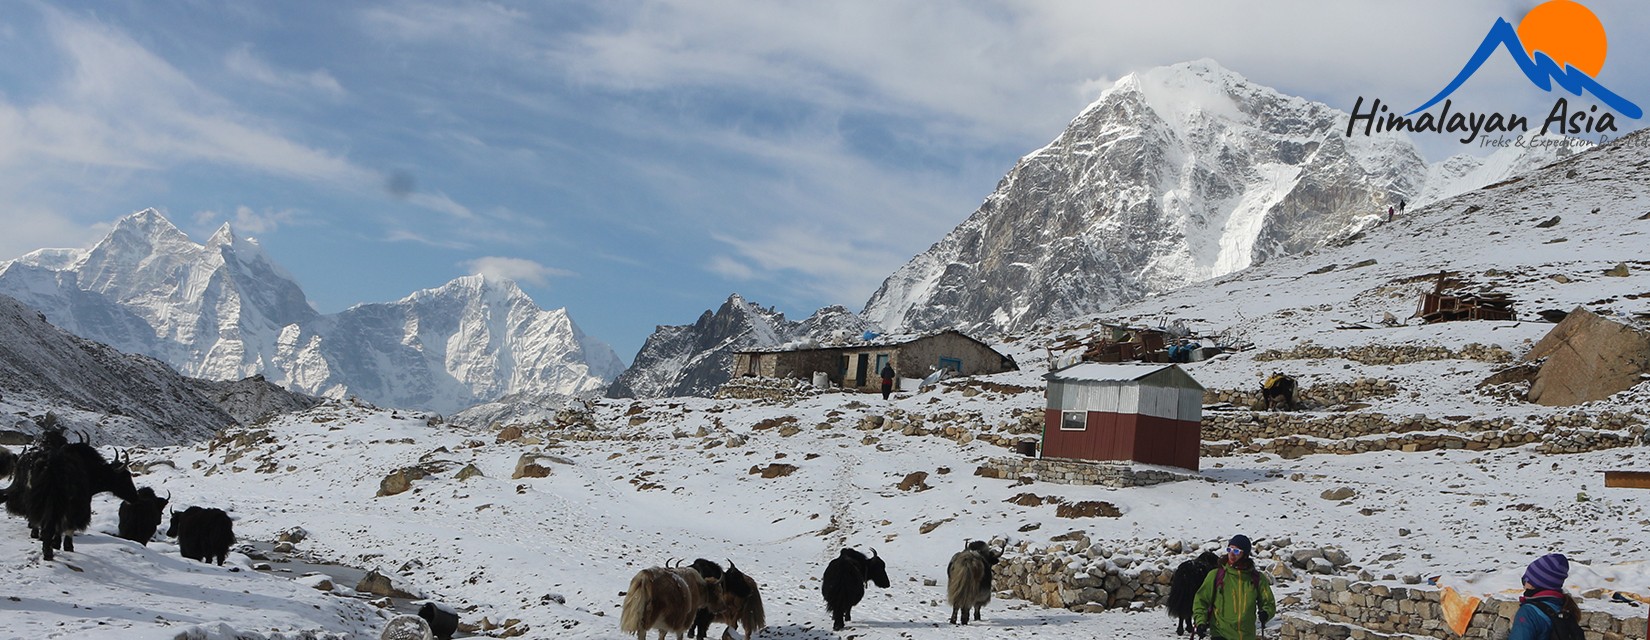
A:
<point x="857" y="365"/>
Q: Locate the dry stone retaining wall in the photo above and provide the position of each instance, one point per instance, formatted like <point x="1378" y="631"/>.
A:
<point x="1343" y="608"/>
<point x="1388" y="354"/>
<point x="1294" y="435"/>
<point x="1315" y="394"/>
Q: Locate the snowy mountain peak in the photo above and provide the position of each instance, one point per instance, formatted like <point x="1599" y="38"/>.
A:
<point x="1173" y="176"/>
<point x="225" y="311"/>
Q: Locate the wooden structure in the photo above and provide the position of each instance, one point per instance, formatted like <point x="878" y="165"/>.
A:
<point x="1627" y="479"/>
<point x="858" y="365"/>
<point x="1150" y="413"/>
<point x="1439" y="306"/>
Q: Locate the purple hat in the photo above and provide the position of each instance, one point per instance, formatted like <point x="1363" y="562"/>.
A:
<point x="1548" y="572"/>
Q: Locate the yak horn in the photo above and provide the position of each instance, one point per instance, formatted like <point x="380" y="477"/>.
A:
<point x="668" y="561"/>
<point x="873" y="552"/>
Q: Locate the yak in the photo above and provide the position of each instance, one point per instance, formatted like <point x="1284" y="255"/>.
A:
<point x="708" y="570"/>
<point x="667" y="599"/>
<point x="443" y="621"/>
<point x="8" y="461"/>
<point x="1278" y="389"/>
<point x="844" y="583"/>
<point x="203" y="534"/>
<point x="1183" y="588"/>
<point x="53" y="486"/>
<point x="969" y="580"/>
<point x="140" y="518"/>
<point x="741" y="603"/>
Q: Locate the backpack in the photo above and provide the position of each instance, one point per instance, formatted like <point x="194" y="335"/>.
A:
<point x="1564" y="627"/>
<point x="1254" y="579"/>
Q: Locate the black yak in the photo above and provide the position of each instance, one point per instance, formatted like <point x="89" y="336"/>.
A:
<point x="741" y="603"/>
<point x="1183" y="587"/>
<point x="1278" y="389"/>
<point x="844" y="583"/>
<point x="710" y="571"/>
<point x="140" y="518"/>
<point x="666" y="599"/>
<point x="968" y="583"/>
<point x="53" y="486"/>
<point x="203" y="534"/>
<point x="8" y="461"/>
<point x="443" y="621"/>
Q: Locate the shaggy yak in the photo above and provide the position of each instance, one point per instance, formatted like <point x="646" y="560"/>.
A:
<point x="666" y="599"/>
<point x="1278" y="389"/>
<point x="139" y="519"/>
<point x="1183" y="588"/>
<point x="443" y="621"/>
<point x="53" y="486"/>
<point x="969" y="580"/>
<point x="203" y="534"/>
<point x="844" y="583"/>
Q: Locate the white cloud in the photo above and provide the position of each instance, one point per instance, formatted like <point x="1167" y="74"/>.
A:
<point x="730" y="268"/>
<point x="484" y="24"/>
<point x="247" y="221"/>
<point x="242" y="62"/>
<point x="517" y="269"/>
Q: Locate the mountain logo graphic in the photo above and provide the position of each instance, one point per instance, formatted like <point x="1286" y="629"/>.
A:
<point x="1558" y="42"/>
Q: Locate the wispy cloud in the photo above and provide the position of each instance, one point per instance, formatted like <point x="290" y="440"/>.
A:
<point x="247" y="220"/>
<point x="408" y="235"/>
<point x="517" y="269"/>
<point x="243" y="62"/>
<point x="482" y="24"/>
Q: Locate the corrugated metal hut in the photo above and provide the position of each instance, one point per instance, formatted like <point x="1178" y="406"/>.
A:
<point x="1149" y="413"/>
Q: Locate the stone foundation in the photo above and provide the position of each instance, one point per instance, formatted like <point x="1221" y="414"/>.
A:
<point x="1117" y="475"/>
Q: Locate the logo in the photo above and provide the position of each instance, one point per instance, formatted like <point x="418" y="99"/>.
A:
<point x="1559" y="43"/>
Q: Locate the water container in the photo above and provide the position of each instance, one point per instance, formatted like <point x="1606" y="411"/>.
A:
<point x="822" y="380"/>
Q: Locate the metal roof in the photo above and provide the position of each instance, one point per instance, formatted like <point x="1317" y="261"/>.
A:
<point x="1116" y="372"/>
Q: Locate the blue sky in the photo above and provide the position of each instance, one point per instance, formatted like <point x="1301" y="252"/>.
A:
<point x="636" y="161"/>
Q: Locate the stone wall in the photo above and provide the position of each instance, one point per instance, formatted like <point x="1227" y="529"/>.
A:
<point x="763" y="388"/>
<point x="1388" y="354"/>
<point x="1293" y="435"/>
<point x="1311" y="394"/>
<point x="1117" y="475"/>
<point x="1343" y="608"/>
<point x="1077" y="573"/>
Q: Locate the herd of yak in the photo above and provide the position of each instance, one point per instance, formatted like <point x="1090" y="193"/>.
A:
<point x="54" y="480"/>
<point x="686" y="600"/>
<point x="52" y="484"/>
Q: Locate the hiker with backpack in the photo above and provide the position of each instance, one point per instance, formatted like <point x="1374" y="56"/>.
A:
<point x="1234" y="596"/>
<point x="1546" y="612"/>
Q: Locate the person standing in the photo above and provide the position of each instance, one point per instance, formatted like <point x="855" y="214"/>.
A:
<point x="1544" y="599"/>
<point x="1234" y="596"/>
<point x="887" y="380"/>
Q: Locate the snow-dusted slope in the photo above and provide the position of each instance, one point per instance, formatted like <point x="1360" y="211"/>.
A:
<point x="107" y="395"/>
<point x="1173" y="176"/>
<point x="693" y="360"/>
<point x="225" y="311"/>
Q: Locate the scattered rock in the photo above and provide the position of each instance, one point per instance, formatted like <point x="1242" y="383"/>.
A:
<point x="1618" y="271"/>
<point x="915" y="481"/>
<point x="1549" y="222"/>
<point x="469" y="471"/>
<point x="773" y="470"/>
<point x="1338" y="493"/>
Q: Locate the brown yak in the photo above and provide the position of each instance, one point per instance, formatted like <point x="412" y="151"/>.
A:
<point x="667" y="599"/>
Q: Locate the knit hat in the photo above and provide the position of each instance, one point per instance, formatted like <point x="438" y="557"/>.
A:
<point x="1548" y="572"/>
<point x="1242" y="542"/>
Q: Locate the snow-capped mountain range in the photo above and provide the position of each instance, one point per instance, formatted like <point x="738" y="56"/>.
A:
<point x="695" y="359"/>
<point x="1173" y="176"/>
<point x="224" y="310"/>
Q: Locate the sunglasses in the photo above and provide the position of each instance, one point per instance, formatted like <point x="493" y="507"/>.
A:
<point x="1234" y="551"/>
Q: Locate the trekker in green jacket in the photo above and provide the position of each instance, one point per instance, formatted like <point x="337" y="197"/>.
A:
<point x="1226" y="605"/>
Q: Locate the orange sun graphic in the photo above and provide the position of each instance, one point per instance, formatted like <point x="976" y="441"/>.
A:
<point x="1567" y="32"/>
